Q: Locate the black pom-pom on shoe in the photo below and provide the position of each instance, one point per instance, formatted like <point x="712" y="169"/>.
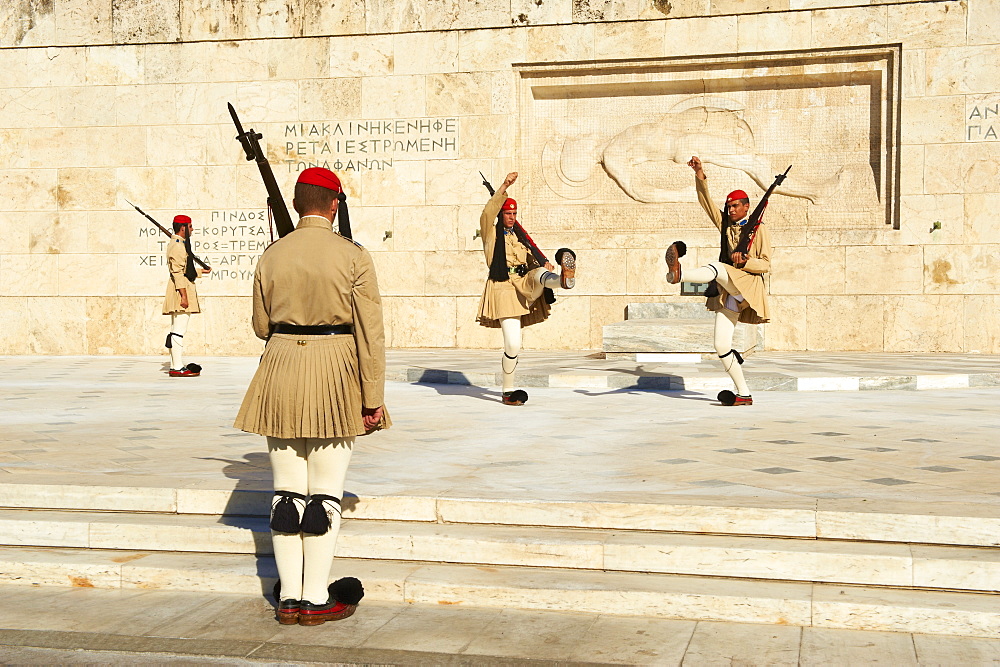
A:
<point x="727" y="397"/>
<point x="559" y="255"/>
<point x="194" y="368"/>
<point x="347" y="590"/>
<point x="682" y="248"/>
<point x="516" y="397"/>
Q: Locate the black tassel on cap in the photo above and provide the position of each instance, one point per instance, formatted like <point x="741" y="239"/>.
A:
<point x="315" y="520"/>
<point x="284" y="513"/>
<point x="346" y="591"/>
<point x="344" y="217"/>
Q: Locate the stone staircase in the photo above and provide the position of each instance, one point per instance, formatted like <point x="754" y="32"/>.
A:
<point x="829" y="563"/>
<point x="680" y="332"/>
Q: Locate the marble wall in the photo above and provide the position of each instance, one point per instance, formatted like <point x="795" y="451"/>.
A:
<point x="107" y="100"/>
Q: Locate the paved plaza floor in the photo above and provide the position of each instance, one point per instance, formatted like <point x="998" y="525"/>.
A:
<point x="57" y="626"/>
<point x="117" y="421"/>
<point x="124" y="422"/>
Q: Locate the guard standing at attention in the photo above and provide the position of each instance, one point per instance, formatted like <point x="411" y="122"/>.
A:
<point x="319" y="386"/>
<point x="181" y="300"/>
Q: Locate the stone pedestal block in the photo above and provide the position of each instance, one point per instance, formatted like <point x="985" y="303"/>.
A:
<point x="672" y="328"/>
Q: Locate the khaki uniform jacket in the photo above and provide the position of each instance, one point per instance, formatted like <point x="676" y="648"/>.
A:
<point x="511" y="298"/>
<point x="314" y="276"/>
<point x="750" y="279"/>
<point x="177" y="263"/>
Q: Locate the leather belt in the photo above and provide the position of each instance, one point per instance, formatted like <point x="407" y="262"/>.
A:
<point x="313" y="330"/>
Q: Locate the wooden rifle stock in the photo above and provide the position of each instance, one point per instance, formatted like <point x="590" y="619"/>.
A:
<point x="163" y="229"/>
<point x="250" y="141"/>
<point x="753" y="222"/>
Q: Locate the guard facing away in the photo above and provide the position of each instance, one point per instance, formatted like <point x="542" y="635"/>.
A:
<point x="182" y="296"/>
<point x="320" y="385"/>
<point x="737" y="291"/>
<point x="519" y="276"/>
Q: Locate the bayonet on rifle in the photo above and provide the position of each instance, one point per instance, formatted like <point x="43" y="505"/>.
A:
<point x="168" y="233"/>
<point x="250" y="141"/>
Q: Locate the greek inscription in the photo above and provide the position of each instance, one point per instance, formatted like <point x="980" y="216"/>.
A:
<point x="229" y="241"/>
<point x="364" y="145"/>
<point x="983" y="122"/>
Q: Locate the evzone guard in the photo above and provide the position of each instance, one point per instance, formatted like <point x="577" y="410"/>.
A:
<point x="737" y="292"/>
<point x="181" y="300"/>
<point x="320" y="383"/>
<point x="519" y="276"/>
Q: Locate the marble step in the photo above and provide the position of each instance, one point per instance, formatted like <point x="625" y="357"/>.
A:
<point x="581" y="591"/>
<point x="689" y="335"/>
<point x="691" y="309"/>
<point x="834" y="561"/>
<point x="964" y="524"/>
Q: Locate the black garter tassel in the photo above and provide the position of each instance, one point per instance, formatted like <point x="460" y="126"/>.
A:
<point x="284" y="514"/>
<point x="315" y="520"/>
<point x="347" y="590"/>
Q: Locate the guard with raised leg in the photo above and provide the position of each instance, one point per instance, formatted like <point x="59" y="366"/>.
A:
<point x="518" y="291"/>
<point x="736" y="291"/>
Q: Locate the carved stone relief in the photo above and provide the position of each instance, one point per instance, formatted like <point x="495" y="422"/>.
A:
<point x="616" y="136"/>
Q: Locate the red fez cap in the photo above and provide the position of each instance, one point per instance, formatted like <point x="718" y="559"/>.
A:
<point x="736" y="195"/>
<point x="182" y="220"/>
<point x="324" y="178"/>
<point x="509" y="205"/>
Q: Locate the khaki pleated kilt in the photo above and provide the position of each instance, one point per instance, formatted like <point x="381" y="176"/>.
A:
<point x="751" y="287"/>
<point x="306" y="387"/>
<point x="512" y="298"/>
<point x="172" y="300"/>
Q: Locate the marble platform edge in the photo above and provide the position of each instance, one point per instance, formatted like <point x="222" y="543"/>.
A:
<point x="620" y="594"/>
<point x="951" y="523"/>
<point x="716" y="556"/>
<point x="758" y="382"/>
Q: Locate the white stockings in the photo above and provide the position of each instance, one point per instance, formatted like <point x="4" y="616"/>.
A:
<point x="725" y="327"/>
<point x="178" y="327"/>
<point x="308" y="466"/>
<point x="511" y="328"/>
<point x="725" y="321"/>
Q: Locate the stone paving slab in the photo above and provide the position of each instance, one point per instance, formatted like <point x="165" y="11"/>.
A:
<point x="768" y="371"/>
<point x="119" y="627"/>
<point x="121" y="422"/>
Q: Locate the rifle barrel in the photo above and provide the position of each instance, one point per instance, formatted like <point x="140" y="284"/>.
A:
<point x="197" y="260"/>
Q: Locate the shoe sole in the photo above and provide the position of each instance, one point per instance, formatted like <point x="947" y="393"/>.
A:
<point x="568" y="276"/>
<point x="288" y="618"/>
<point x="673" y="265"/>
<point x="320" y="619"/>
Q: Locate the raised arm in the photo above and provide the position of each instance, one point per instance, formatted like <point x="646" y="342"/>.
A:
<point x="487" y="220"/>
<point x="704" y="198"/>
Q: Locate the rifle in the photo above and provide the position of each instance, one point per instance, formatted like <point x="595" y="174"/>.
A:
<point x="250" y="141"/>
<point x="165" y="231"/>
<point x="753" y="222"/>
<point x="539" y="256"/>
